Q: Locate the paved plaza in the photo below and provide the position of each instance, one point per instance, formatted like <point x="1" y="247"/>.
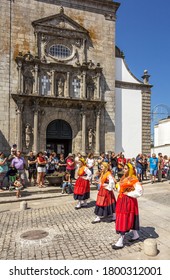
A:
<point x="67" y="234"/>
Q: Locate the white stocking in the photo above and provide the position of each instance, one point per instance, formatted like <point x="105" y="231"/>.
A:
<point x="114" y="217"/>
<point x="79" y="204"/>
<point x="135" y="234"/>
<point x="119" y="243"/>
<point x="97" y="219"/>
<point x="85" y="202"/>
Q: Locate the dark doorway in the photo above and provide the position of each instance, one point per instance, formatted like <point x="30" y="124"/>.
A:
<point x="59" y="137"/>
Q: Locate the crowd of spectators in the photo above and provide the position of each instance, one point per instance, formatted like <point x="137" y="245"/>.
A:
<point x="147" y="167"/>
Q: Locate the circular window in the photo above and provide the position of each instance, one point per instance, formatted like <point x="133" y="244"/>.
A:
<point x="60" y="51"/>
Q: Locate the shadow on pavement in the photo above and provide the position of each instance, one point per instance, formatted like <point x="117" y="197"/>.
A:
<point x="144" y="233"/>
<point x="91" y="204"/>
<point x="148" y="232"/>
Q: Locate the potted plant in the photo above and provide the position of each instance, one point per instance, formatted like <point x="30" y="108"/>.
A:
<point x="55" y="178"/>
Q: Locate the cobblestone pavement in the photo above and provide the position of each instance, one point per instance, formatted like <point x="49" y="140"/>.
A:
<point x="71" y="235"/>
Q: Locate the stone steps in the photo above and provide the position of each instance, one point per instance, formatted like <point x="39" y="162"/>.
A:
<point x="33" y="193"/>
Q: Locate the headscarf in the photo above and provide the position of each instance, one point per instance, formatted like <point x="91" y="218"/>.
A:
<point x="127" y="183"/>
<point x="131" y="169"/>
<point x="82" y="160"/>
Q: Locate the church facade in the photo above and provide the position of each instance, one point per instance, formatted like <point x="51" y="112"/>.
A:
<point x="58" y="76"/>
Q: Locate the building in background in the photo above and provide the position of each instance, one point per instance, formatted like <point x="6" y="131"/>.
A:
<point x="62" y="86"/>
<point x="162" y="137"/>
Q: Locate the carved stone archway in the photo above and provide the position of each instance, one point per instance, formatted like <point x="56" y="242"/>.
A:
<point x="52" y="115"/>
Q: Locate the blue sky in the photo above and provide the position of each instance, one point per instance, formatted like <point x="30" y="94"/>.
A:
<point x="143" y="34"/>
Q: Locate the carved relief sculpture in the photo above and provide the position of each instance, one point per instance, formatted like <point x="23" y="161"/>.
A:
<point x="43" y="47"/>
<point x="60" y="88"/>
<point x="90" y="87"/>
<point x="28" y="132"/>
<point x="28" y="81"/>
<point x="91" y="135"/>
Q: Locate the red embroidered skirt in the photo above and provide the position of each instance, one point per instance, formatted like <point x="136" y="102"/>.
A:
<point x="105" y="197"/>
<point x="106" y="203"/>
<point x="81" y="189"/>
<point x="127" y="214"/>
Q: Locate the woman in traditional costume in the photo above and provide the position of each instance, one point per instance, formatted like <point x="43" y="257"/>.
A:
<point x="106" y="202"/>
<point x="82" y="185"/>
<point x="127" y="215"/>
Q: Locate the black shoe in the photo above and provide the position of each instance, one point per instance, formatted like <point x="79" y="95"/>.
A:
<point x="77" y="208"/>
<point x="95" y="222"/>
<point x="110" y="221"/>
<point x="116" y="247"/>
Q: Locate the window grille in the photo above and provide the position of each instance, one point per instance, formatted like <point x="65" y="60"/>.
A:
<point x="60" y="51"/>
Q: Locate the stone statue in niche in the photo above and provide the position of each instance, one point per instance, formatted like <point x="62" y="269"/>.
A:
<point x="28" y="82"/>
<point x="28" y="85"/>
<point x="60" y="87"/>
<point x="90" y="87"/>
<point x="28" y="132"/>
<point x="43" y="48"/>
<point x="91" y="135"/>
<point x="90" y="91"/>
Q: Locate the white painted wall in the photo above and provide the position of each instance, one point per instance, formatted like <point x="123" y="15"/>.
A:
<point x="165" y="150"/>
<point x="162" y="138"/>
<point x="128" y="114"/>
<point x="162" y="133"/>
<point x="122" y="72"/>
<point x="128" y="118"/>
<point x="156" y="135"/>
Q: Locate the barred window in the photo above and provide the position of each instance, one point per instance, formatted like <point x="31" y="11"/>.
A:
<point x="45" y="86"/>
<point x="60" y="51"/>
<point x="76" y="87"/>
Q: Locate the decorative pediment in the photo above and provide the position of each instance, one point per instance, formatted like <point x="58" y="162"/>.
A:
<point x="60" y="39"/>
<point x="57" y="22"/>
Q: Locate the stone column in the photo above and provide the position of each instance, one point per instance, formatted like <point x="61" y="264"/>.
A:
<point x="19" y="126"/>
<point x="36" y="43"/>
<point x="98" y="86"/>
<point x="85" y="50"/>
<point x="36" y="112"/>
<point x="67" y="91"/>
<point x="146" y="113"/>
<point x="84" y="84"/>
<point x="97" y="150"/>
<point x="83" y="114"/>
<point x="52" y="83"/>
<point x="36" y="79"/>
<point x="19" y="77"/>
<point x="146" y="121"/>
<point x="81" y="87"/>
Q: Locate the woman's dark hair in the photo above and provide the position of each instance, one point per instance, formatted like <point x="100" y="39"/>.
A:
<point x="39" y="154"/>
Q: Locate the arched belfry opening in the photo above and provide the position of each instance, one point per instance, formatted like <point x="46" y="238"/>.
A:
<point x="59" y="137"/>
